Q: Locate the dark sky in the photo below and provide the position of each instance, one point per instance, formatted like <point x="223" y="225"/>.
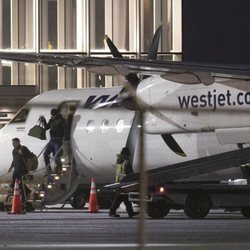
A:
<point x="216" y="31"/>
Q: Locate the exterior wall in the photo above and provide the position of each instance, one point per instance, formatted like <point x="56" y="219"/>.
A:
<point x="79" y="26"/>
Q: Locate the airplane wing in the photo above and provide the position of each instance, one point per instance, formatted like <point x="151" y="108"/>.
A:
<point x="112" y="66"/>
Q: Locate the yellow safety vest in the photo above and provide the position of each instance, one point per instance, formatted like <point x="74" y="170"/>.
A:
<point x="120" y="170"/>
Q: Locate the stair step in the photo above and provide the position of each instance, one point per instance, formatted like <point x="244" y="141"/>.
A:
<point x="62" y="187"/>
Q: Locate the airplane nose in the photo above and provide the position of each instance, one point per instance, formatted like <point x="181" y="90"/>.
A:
<point x="6" y="151"/>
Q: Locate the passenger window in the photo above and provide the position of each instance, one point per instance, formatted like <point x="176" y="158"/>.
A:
<point x="120" y="126"/>
<point x="21" y="116"/>
<point x="90" y="127"/>
<point x="105" y="126"/>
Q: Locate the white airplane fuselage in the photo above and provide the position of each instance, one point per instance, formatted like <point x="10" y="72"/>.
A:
<point x="204" y="120"/>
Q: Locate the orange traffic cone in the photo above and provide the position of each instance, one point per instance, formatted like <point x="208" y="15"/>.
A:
<point x="16" y="201"/>
<point x="93" y="204"/>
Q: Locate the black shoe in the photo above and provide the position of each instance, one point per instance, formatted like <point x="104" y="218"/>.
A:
<point x="114" y="215"/>
<point x="133" y="214"/>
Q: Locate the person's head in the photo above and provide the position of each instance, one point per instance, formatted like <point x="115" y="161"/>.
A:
<point x="54" y="112"/>
<point x="72" y="109"/>
<point x="125" y="152"/>
<point x="132" y="79"/>
<point x="15" y="142"/>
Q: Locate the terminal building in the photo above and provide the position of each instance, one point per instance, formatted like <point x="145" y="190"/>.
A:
<point x="79" y="26"/>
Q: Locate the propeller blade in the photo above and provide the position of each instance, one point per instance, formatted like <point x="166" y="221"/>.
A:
<point x="133" y="136"/>
<point x="152" y="54"/>
<point x="114" y="51"/>
<point x="173" y="145"/>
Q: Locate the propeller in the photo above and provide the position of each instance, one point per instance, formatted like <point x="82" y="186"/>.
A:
<point x="173" y="145"/>
<point x="113" y="49"/>
<point x="127" y="97"/>
<point x="152" y="54"/>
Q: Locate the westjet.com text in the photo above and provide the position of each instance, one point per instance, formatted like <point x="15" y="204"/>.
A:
<point x="213" y="100"/>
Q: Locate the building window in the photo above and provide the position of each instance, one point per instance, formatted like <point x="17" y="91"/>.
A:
<point x="153" y="14"/>
<point x="49" y="24"/>
<point x="58" y="25"/>
<point x="5" y="24"/>
<point x="16" y="26"/>
<point x="5" y="73"/>
<point x="111" y="17"/>
<point x="49" y="77"/>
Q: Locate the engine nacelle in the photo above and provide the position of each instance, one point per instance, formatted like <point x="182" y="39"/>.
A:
<point x="180" y="108"/>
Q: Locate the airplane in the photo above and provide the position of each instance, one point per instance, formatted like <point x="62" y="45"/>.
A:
<point x="190" y="111"/>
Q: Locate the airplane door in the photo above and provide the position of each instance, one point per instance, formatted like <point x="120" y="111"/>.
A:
<point x="67" y="110"/>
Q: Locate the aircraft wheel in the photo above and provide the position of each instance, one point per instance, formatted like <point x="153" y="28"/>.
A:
<point x="78" y="200"/>
<point x="197" y="205"/>
<point x="245" y="211"/>
<point x="158" y="209"/>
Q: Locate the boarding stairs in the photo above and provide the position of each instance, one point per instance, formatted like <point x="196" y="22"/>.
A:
<point x="62" y="185"/>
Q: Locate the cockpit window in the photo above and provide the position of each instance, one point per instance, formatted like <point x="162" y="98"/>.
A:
<point x="21" y="116"/>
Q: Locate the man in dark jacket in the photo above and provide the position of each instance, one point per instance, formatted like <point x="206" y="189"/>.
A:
<point x="20" y="154"/>
<point x="57" y="128"/>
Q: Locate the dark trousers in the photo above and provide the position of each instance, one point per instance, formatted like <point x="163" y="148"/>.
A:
<point x="53" y="147"/>
<point x="119" y="198"/>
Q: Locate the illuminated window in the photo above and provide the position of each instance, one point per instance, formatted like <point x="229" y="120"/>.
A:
<point x="59" y="24"/>
<point x="90" y="127"/>
<point x="105" y="126"/>
<point x="153" y="14"/>
<point x="120" y="126"/>
<point x="110" y="17"/>
<point x="16" y="33"/>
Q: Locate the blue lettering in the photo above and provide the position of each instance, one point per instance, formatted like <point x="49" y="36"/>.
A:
<point x="93" y="99"/>
<point x="184" y="101"/>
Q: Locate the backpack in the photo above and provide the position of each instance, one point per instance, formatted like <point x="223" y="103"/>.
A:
<point x="31" y="162"/>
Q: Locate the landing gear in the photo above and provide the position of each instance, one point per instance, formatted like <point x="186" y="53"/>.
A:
<point x="197" y="205"/>
<point x="78" y="200"/>
<point x="158" y="209"/>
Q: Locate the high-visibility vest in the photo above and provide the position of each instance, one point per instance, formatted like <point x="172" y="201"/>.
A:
<point x="120" y="170"/>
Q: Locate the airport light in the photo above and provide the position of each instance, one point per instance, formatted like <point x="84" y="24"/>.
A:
<point x="64" y="169"/>
<point x="162" y="189"/>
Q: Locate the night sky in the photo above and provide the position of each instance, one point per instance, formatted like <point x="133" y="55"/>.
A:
<point x="216" y="31"/>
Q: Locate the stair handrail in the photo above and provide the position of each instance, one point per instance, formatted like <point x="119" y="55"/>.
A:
<point x="52" y="159"/>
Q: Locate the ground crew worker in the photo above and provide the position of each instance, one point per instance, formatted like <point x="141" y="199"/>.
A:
<point x="123" y="167"/>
